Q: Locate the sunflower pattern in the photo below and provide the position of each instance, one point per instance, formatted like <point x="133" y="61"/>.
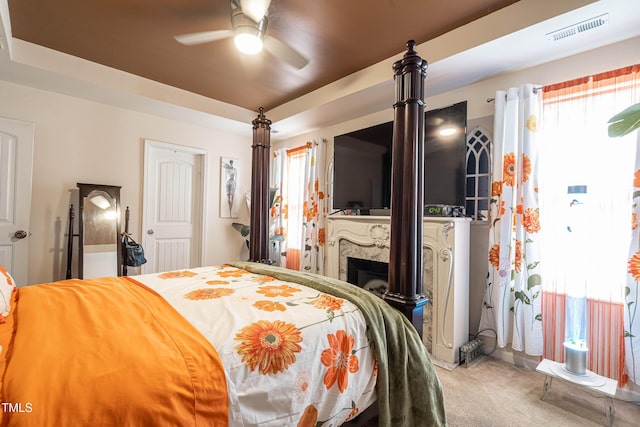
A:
<point x="282" y="337"/>
<point x="632" y="288"/>
<point x="513" y="289"/>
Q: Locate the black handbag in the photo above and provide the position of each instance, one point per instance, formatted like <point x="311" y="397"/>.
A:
<point x="133" y="252"/>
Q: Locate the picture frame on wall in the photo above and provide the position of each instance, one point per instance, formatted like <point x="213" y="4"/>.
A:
<point x="229" y="191"/>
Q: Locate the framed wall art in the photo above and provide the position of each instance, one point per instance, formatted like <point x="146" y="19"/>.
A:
<point x="229" y="191"/>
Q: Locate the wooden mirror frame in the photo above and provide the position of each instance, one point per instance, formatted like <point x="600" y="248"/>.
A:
<point x="84" y="191"/>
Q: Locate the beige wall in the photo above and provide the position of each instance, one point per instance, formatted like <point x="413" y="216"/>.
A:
<point x="479" y="111"/>
<point x="83" y="141"/>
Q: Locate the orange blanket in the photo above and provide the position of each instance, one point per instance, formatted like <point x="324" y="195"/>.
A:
<point x="105" y="352"/>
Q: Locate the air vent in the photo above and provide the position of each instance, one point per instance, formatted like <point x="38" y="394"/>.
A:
<point x="578" y="28"/>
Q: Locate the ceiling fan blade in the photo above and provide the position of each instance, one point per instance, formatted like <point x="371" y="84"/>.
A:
<point x="203" y="37"/>
<point x="285" y="52"/>
<point x="255" y="9"/>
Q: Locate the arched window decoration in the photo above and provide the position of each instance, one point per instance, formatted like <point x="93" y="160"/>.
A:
<point x="478" y="173"/>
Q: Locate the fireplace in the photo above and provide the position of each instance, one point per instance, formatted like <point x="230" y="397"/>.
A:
<point x="368" y="274"/>
<point x="358" y="252"/>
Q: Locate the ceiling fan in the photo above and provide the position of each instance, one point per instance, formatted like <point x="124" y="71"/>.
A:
<point x="249" y="26"/>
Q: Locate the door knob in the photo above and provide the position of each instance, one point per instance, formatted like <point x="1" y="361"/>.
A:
<point x="150" y="231"/>
<point x="20" y="234"/>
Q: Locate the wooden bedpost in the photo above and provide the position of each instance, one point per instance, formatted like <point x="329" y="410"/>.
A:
<point x="407" y="182"/>
<point x="259" y="233"/>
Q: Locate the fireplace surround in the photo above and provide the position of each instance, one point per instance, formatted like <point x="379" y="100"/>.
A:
<point x="445" y="277"/>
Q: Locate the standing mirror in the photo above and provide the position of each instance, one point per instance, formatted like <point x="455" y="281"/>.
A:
<point x="99" y="253"/>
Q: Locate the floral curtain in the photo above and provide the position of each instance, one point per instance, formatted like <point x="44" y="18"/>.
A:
<point x="278" y="210"/>
<point x="314" y="208"/>
<point x="299" y="210"/>
<point x="512" y="303"/>
<point x="632" y="288"/>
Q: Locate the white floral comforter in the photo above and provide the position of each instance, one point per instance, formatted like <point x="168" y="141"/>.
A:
<point x="292" y="355"/>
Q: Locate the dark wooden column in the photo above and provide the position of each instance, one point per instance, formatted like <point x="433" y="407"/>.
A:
<point x="259" y="233"/>
<point x="407" y="181"/>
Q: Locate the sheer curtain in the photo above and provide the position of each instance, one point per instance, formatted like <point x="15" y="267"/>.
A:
<point x="511" y="305"/>
<point x="585" y="195"/>
<point x="298" y="219"/>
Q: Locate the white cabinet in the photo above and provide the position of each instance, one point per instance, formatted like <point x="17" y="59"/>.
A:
<point x="446" y="271"/>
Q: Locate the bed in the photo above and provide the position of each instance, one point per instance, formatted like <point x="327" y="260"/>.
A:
<point x="243" y="343"/>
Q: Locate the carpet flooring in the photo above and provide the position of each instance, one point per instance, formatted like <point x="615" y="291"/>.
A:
<point x="494" y="393"/>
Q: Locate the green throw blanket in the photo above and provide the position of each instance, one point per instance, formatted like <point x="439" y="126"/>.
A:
<point x="409" y="392"/>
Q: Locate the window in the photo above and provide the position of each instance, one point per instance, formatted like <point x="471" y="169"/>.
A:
<point x="586" y="187"/>
<point x="295" y="197"/>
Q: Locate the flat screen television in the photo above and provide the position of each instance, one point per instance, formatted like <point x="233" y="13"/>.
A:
<point x="362" y="162"/>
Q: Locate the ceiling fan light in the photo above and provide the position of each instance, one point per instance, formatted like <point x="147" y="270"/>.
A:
<point x="248" y="43"/>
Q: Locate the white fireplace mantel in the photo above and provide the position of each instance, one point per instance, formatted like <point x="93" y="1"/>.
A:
<point x="446" y="271"/>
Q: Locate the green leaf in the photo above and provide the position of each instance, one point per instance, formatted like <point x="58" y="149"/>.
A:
<point x="627" y="291"/>
<point x="243" y="229"/>
<point x="625" y="122"/>
<point x="523" y="297"/>
<point x="628" y="334"/>
<point x="538" y="317"/>
<point x="533" y="265"/>
<point x="533" y="281"/>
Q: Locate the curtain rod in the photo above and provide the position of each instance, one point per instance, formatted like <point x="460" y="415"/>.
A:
<point x="535" y="91"/>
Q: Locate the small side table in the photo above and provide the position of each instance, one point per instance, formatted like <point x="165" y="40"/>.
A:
<point x="605" y="386"/>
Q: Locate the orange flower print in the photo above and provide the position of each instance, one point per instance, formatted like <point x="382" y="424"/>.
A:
<point x="375" y="366"/>
<point x="532" y="123"/>
<point x="302" y="386"/>
<point x="339" y="359"/>
<point x="352" y="414"/>
<point x="277" y="291"/>
<point x="234" y="272"/>
<point x="264" y="279"/>
<point x="636" y="178"/>
<point x="269" y="346"/>
<point x="634" y="266"/>
<point x="496" y="188"/>
<point x="217" y="282"/>
<point x="519" y="256"/>
<point x="519" y="209"/>
<point x="634" y="220"/>
<point x="531" y="220"/>
<point x="526" y="168"/>
<point x="321" y="195"/>
<point x="176" y="274"/>
<point x="321" y="236"/>
<point x="269" y="306"/>
<point x="200" y="294"/>
<point x="509" y="169"/>
<point x="309" y="417"/>
<point x="327" y="302"/>
<point x="502" y="209"/>
<point x="494" y="256"/>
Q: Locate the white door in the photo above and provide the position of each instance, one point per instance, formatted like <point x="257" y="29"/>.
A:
<point x="172" y="223"/>
<point x="16" y="166"/>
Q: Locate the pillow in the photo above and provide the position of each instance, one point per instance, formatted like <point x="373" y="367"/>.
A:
<point x="7" y="286"/>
